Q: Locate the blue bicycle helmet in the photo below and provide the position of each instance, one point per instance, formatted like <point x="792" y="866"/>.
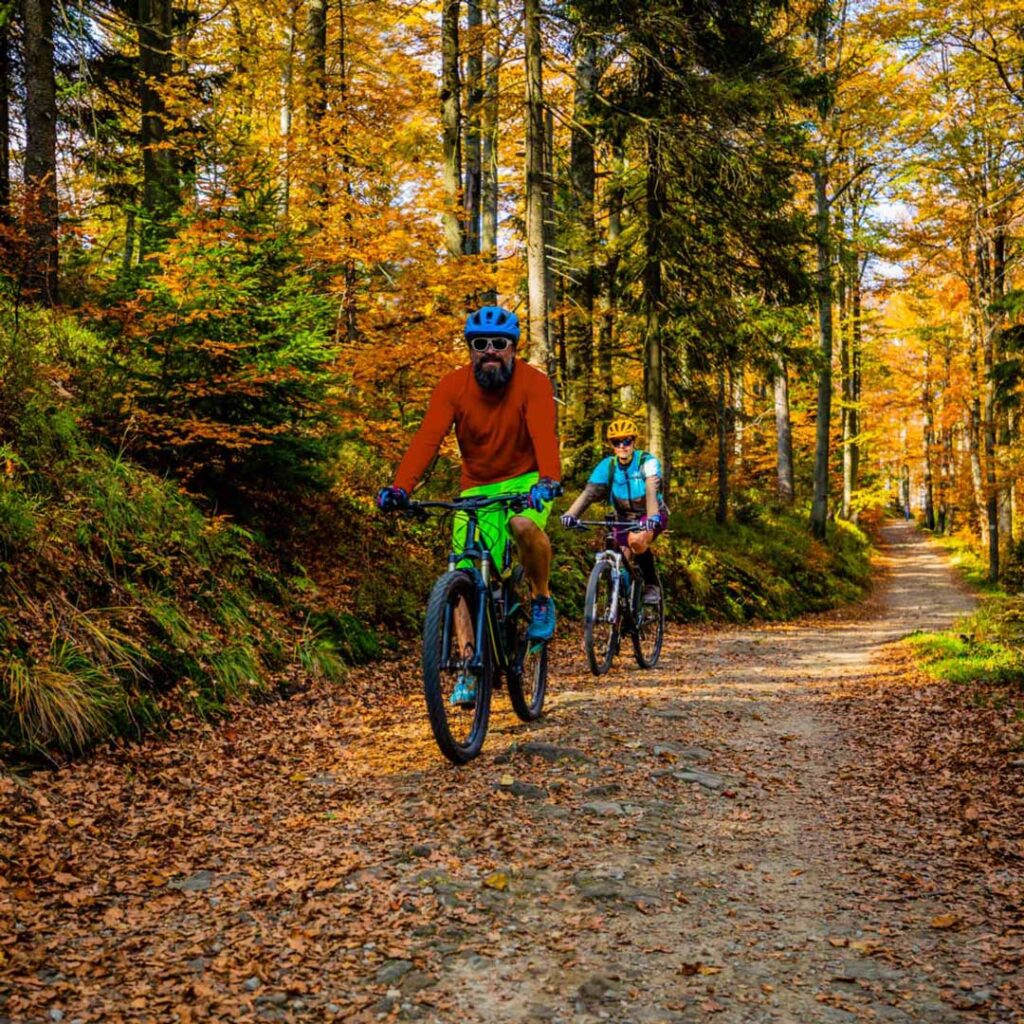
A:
<point x="493" y="322"/>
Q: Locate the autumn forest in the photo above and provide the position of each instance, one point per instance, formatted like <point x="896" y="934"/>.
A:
<point x="239" y="241"/>
<point x="239" y="244"/>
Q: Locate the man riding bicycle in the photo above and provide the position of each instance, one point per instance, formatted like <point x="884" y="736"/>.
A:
<point x="631" y="482"/>
<point x="504" y="415"/>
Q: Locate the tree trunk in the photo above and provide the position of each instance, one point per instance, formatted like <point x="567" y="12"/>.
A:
<point x="736" y="418"/>
<point x="349" y="298"/>
<point x="315" y="86"/>
<point x="474" y="109"/>
<point x="819" y="506"/>
<point x="159" y="164"/>
<point x="128" y="252"/>
<point x="722" y="508"/>
<point x="983" y="270"/>
<point x="451" y="127"/>
<point x="655" y="369"/>
<point x="929" y="442"/>
<point x="855" y="423"/>
<point x="946" y="442"/>
<point x="41" y="148"/>
<point x="541" y="354"/>
<point x="606" y="337"/>
<point x="1003" y="430"/>
<point x="783" y="435"/>
<point x="489" y="143"/>
<point x="583" y="280"/>
<point x="287" y="75"/>
<point x="5" y="116"/>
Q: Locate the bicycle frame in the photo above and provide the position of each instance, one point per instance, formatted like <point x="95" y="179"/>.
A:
<point x="482" y="572"/>
<point x="612" y="553"/>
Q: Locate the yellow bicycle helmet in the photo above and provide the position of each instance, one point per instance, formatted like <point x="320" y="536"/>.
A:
<point x="621" y="428"/>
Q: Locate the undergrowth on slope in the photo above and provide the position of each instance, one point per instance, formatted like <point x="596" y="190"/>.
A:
<point x="122" y="603"/>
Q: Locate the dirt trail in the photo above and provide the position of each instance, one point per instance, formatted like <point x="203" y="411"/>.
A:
<point x="673" y="845"/>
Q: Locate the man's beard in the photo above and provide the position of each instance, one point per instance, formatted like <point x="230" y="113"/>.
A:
<point x="493" y="376"/>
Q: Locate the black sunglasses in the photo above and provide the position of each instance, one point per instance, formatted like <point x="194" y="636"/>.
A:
<point x="482" y="344"/>
<point x="622" y="442"/>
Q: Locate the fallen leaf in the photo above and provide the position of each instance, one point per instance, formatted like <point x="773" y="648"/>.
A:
<point x="944" y="921"/>
<point x="497" y="880"/>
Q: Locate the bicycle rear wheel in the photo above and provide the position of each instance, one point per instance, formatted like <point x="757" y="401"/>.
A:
<point x="458" y="728"/>
<point x="599" y="630"/>
<point x="648" y="626"/>
<point x="528" y="672"/>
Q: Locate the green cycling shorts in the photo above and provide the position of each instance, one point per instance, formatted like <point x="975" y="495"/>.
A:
<point x="493" y="522"/>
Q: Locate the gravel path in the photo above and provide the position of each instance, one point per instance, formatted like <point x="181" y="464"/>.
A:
<point x="672" y="845"/>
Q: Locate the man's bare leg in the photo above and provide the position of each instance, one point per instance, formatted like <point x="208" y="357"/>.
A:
<point x="464" y="629"/>
<point x="534" y="554"/>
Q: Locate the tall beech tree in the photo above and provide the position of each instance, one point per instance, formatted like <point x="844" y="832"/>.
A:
<point x="40" y="149"/>
<point x="451" y="126"/>
<point x="160" y="189"/>
<point x="538" y="278"/>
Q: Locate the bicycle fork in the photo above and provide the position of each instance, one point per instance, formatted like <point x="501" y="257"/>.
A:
<point x="616" y="559"/>
<point x="484" y="629"/>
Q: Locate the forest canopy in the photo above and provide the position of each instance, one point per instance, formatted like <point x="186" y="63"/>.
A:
<point x="783" y="236"/>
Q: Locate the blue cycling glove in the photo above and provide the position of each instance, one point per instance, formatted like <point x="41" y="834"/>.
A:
<point x="391" y="499"/>
<point x="650" y="522"/>
<point x="545" y="490"/>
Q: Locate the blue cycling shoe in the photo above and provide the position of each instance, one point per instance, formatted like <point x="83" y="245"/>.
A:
<point x="464" y="694"/>
<point x="542" y="619"/>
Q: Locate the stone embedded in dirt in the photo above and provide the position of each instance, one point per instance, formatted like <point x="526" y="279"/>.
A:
<point x="705" y="779"/>
<point x="416" y="981"/>
<point x="596" y="988"/>
<point x="422" y="850"/>
<point x="199" y="882"/>
<point x="608" y="789"/>
<point x="251" y="984"/>
<point x="673" y="714"/>
<point x="553" y="811"/>
<point x="595" y="887"/>
<point x="605" y="808"/>
<point x="523" y="790"/>
<point x="681" y="751"/>
<point x="538" y="1011"/>
<point x="273" y="999"/>
<point x="552" y="752"/>
<point x="391" y="971"/>
<point x="438" y="879"/>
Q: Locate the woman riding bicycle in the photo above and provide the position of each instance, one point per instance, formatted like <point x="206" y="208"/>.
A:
<point x="631" y="482"/>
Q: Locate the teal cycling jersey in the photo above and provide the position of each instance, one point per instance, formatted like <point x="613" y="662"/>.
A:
<point x="628" y="484"/>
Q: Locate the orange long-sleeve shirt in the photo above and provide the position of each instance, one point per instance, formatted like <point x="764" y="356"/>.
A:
<point x="501" y="434"/>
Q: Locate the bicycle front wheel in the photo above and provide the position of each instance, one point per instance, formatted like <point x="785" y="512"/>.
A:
<point x="458" y="697"/>
<point x="528" y="672"/>
<point x="648" y="626"/>
<point x="600" y="631"/>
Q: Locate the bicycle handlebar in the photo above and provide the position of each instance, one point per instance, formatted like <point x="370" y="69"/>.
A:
<point x="611" y="524"/>
<point x="517" y="502"/>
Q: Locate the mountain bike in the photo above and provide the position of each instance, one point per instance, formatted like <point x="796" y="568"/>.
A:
<point x="497" y="601"/>
<point x="615" y="605"/>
